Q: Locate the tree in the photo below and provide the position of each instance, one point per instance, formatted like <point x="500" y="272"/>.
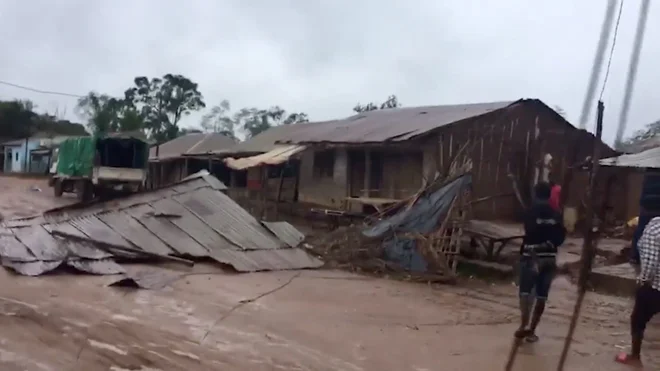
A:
<point x="251" y="121"/>
<point x="254" y="121"/>
<point x="17" y="119"/>
<point x="391" y="102"/>
<point x="101" y="112"/>
<point x="105" y="114"/>
<point x="218" y="120"/>
<point x="162" y="102"/>
<point x="637" y="140"/>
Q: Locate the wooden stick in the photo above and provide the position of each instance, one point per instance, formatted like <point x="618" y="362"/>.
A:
<point x="590" y="238"/>
<point x="109" y="247"/>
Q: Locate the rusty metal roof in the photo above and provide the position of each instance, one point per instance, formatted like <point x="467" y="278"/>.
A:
<point x="267" y="141"/>
<point x="192" y="144"/>
<point x="396" y="124"/>
<point x="193" y="218"/>
<point x="278" y="155"/>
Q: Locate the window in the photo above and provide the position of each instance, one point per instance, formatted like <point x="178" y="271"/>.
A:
<point x="16" y="156"/>
<point x="324" y="164"/>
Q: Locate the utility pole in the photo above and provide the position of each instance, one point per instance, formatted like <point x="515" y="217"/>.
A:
<point x="598" y="62"/>
<point x="632" y="71"/>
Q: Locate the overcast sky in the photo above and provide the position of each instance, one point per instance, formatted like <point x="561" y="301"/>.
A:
<point x="321" y="57"/>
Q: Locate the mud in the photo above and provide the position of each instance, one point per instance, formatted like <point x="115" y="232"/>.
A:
<point x="311" y="320"/>
<point x="21" y="197"/>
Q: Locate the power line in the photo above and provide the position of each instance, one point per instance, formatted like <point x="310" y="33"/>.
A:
<point x="609" y="61"/>
<point x="39" y="90"/>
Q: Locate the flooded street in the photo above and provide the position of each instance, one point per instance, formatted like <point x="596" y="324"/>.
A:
<point x="292" y="320"/>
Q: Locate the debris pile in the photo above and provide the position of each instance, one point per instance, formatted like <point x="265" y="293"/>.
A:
<point x="192" y="219"/>
<point x="347" y="248"/>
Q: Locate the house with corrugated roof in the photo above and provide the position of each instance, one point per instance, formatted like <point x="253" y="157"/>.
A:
<point x="374" y="158"/>
<point x="172" y="161"/>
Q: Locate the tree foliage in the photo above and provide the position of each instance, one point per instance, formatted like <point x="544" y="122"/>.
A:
<point x="638" y="139"/>
<point x="250" y="121"/>
<point x="162" y="102"/>
<point x="105" y="114"/>
<point x="19" y="120"/>
<point x="391" y="102"/>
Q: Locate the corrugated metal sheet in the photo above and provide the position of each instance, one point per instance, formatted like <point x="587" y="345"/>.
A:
<point x="96" y="230"/>
<point x="192" y="218"/>
<point x="227" y="218"/>
<point x="646" y="159"/>
<point x="76" y="248"/>
<point x="267" y="260"/>
<point x="167" y="231"/>
<point x="134" y="232"/>
<point x="267" y="140"/>
<point x="396" y="124"/>
<point x="192" y="225"/>
<point x="276" y="156"/>
<point x="13" y="250"/>
<point x="285" y="232"/>
<point x="100" y="267"/>
<point x="191" y="144"/>
<point x="40" y="243"/>
<point x="35" y="268"/>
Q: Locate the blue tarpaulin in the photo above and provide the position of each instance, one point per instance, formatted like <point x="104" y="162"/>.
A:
<point x="424" y="217"/>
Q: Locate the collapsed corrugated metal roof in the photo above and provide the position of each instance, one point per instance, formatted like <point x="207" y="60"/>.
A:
<point x="193" y="218"/>
<point x="646" y="159"/>
<point x="394" y="124"/>
<point x="276" y="156"/>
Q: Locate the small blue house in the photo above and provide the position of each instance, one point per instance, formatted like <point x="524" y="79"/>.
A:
<point x="29" y="155"/>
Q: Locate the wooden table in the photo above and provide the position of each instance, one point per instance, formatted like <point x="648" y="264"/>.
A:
<point x="492" y="236"/>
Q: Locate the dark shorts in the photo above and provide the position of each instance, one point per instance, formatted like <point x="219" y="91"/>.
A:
<point x="534" y="282"/>
<point x="647" y="304"/>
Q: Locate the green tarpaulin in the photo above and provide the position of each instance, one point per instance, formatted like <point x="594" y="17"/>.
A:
<point x="76" y="156"/>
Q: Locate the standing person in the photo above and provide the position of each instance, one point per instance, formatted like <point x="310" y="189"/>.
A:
<point x="544" y="233"/>
<point x="647" y="300"/>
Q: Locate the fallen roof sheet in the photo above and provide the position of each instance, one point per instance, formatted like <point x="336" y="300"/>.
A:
<point x="646" y="159"/>
<point x="394" y="124"/>
<point x="193" y="218"/>
<point x="278" y="155"/>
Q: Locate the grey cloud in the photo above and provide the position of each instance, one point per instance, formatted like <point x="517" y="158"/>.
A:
<point x="322" y="57"/>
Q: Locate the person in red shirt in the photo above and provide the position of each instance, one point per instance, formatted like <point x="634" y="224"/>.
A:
<point x="555" y="197"/>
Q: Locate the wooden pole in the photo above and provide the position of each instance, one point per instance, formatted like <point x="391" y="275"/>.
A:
<point x="590" y="240"/>
<point x="279" y="191"/>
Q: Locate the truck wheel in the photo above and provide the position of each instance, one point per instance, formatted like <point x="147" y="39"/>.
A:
<point x="58" y="187"/>
<point x="84" y="190"/>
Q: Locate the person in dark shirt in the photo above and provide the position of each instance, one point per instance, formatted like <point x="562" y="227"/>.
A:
<point x="544" y="233"/>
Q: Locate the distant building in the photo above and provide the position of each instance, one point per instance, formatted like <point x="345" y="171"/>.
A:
<point x="29" y="155"/>
<point x="172" y="161"/>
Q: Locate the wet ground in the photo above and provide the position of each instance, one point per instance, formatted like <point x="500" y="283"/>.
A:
<point x="310" y="320"/>
<point x="21" y="197"/>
